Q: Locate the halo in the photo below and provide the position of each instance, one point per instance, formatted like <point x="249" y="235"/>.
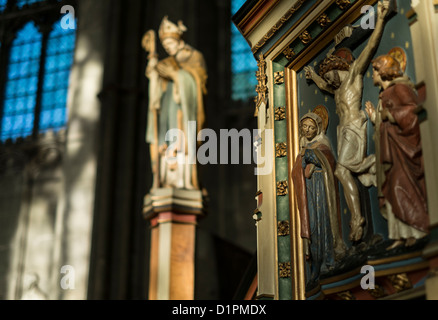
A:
<point x="400" y="55"/>
<point x="322" y="112"/>
<point x="345" y="53"/>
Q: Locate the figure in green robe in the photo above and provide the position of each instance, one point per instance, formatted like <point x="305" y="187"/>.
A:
<point x="177" y="85"/>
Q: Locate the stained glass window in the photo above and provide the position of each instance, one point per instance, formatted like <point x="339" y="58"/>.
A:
<point x="22" y="84"/>
<point x="243" y="63"/>
<point x="60" y="49"/>
<point x="31" y="106"/>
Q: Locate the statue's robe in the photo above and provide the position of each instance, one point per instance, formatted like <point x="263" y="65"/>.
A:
<point x="401" y="158"/>
<point x="318" y="205"/>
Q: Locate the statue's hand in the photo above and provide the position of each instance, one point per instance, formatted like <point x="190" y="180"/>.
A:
<point x="309" y="72"/>
<point x="167" y="71"/>
<point x="308" y="172"/>
<point x="370" y="109"/>
<point x="383" y="9"/>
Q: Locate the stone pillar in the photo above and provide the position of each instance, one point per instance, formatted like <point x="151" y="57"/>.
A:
<point x="173" y="215"/>
<point x="424" y="20"/>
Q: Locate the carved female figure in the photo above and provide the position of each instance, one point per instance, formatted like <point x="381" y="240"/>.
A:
<point x="401" y="181"/>
<point x="318" y="200"/>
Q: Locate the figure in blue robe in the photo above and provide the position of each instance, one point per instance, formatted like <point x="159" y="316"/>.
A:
<point x="316" y="189"/>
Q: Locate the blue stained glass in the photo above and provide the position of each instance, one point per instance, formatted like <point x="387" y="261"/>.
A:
<point x="21" y="84"/>
<point x="21" y="3"/>
<point x="3" y="5"/>
<point x="60" y="52"/>
<point x="236" y="5"/>
<point x="243" y="63"/>
<point x="242" y="92"/>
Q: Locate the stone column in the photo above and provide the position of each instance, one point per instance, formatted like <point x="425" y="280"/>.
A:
<point x="173" y="215"/>
<point x="424" y="19"/>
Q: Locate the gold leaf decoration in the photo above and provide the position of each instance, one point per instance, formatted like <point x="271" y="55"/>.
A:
<point x="282" y="188"/>
<point x="283" y="228"/>
<point x="284" y="270"/>
<point x="280" y="114"/>
<point x="281" y="150"/>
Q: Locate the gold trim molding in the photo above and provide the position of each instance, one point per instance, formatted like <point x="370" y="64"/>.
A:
<point x="286" y="17"/>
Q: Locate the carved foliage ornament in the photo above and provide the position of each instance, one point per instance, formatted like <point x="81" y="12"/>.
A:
<point x="280" y="114"/>
<point x="305" y="37"/>
<point x="284" y="270"/>
<point x="282" y="188"/>
<point x="281" y="150"/>
<point x="289" y="53"/>
<point x="346" y="295"/>
<point x="283" y="228"/>
<point x="377" y="292"/>
<point x="324" y="20"/>
<point x="279" y="77"/>
<point x="400" y="282"/>
<point x="343" y="4"/>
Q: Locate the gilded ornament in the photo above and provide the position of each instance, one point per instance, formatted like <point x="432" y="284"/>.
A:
<point x="343" y="4"/>
<point x="283" y="228"/>
<point x="281" y="150"/>
<point x="377" y="292"/>
<point x="261" y="88"/>
<point x="400" y="282"/>
<point x="282" y="188"/>
<point x="279" y="77"/>
<point x="305" y="37"/>
<point x="280" y="114"/>
<point x="346" y="295"/>
<point x="324" y="20"/>
<point x="284" y="270"/>
<point x="289" y="53"/>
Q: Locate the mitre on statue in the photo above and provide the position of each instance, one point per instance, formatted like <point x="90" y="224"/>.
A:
<point x="169" y="29"/>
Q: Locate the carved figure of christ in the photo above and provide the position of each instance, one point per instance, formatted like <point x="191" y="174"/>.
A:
<point x="345" y="82"/>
